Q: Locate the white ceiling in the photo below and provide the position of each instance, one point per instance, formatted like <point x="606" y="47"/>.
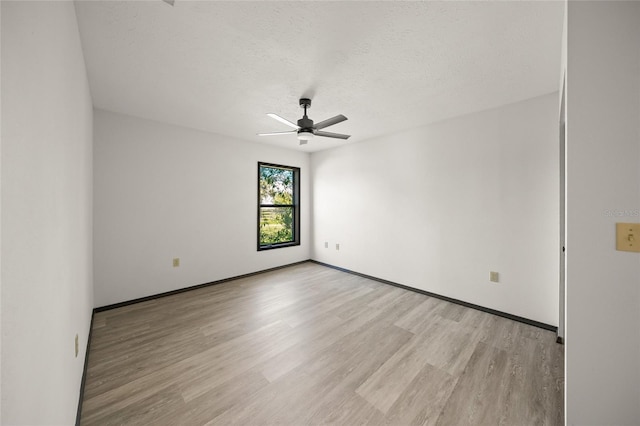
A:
<point x="388" y="66"/>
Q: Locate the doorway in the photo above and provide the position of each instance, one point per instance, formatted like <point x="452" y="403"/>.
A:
<point x="563" y="213"/>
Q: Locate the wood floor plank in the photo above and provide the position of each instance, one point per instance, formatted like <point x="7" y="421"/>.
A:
<point x="383" y="388"/>
<point x="306" y="350"/>
<point x="341" y="369"/>
<point x="268" y="404"/>
<point x="193" y="368"/>
<point x="346" y="408"/>
<point x="479" y="394"/>
<point x="308" y="344"/>
<point x="423" y="399"/>
<point x="450" y="345"/>
<point x="416" y="319"/>
<point x="115" y="369"/>
<point x="534" y="387"/>
<point x="211" y="404"/>
<point x="206" y="370"/>
<point x="159" y="410"/>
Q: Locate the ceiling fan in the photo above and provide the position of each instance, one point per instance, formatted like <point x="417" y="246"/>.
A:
<point x="305" y="128"/>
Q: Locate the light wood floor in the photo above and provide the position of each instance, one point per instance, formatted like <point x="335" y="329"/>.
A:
<point x="312" y="345"/>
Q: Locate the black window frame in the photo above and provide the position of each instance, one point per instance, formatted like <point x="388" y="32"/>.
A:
<point x="295" y="206"/>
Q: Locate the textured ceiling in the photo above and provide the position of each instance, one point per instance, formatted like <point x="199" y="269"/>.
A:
<point x="388" y="66"/>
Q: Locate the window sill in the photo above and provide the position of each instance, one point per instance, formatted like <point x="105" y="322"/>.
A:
<point x="277" y="246"/>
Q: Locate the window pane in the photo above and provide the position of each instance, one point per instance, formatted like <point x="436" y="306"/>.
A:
<point x="276" y="185"/>
<point x="276" y="225"/>
<point x="278" y="209"/>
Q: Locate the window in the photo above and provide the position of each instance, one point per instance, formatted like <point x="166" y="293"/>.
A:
<point x="278" y="206"/>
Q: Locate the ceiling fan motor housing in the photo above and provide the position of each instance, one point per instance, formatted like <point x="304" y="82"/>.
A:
<point x="305" y="124"/>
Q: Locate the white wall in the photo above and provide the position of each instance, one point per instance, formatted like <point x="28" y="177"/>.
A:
<point x="437" y="208"/>
<point x="46" y="212"/>
<point x="162" y="191"/>
<point x="603" y="183"/>
<point x="0" y="223"/>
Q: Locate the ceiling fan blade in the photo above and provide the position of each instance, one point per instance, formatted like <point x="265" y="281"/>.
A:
<point x="288" y="132"/>
<point x="332" y="135"/>
<point x="330" y="122"/>
<point x="283" y="120"/>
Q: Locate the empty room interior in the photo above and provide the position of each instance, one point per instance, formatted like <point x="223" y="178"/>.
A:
<point x="269" y="212"/>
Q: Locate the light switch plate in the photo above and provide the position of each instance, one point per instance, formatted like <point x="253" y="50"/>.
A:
<point x="628" y="237"/>
<point x="493" y="276"/>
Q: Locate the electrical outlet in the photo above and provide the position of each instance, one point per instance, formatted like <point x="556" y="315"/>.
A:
<point x="326" y="244"/>
<point x="337" y="246"/>
<point x="493" y="276"/>
<point x="77" y="346"/>
<point x="176" y="262"/>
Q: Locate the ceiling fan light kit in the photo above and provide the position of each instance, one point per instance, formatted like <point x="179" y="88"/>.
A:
<point x="305" y="129"/>
<point x="305" y="135"/>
